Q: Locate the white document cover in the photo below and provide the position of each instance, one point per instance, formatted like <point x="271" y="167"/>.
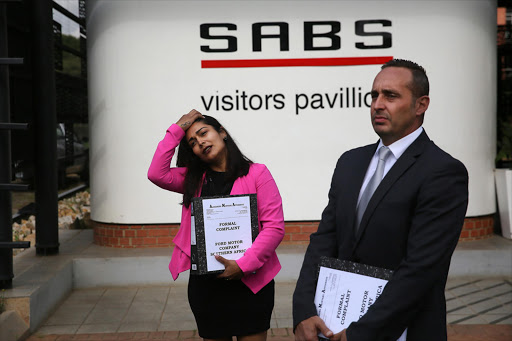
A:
<point x="344" y="296"/>
<point x="221" y="225"/>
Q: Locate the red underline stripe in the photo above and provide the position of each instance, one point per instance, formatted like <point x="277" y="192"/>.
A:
<point x="234" y="63"/>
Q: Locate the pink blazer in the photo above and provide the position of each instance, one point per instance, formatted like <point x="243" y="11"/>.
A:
<point x="259" y="263"/>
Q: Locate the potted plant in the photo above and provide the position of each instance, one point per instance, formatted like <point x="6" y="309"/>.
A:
<point x="503" y="172"/>
<point x="503" y="177"/>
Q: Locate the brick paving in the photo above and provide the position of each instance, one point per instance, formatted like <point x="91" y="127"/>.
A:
<point x="478" y="307"/>
<point x="479" y="301"/>
<point x="456" y="332"/>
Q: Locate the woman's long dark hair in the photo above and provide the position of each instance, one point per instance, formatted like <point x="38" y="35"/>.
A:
<point x="237" y="163"/>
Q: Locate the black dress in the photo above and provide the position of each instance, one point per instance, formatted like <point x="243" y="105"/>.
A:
<point x="227" y="308"/>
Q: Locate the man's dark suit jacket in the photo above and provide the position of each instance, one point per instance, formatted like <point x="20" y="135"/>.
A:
<point x="411" y="225"/>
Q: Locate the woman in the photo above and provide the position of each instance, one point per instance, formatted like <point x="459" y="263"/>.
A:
<point x="239" y="301"/>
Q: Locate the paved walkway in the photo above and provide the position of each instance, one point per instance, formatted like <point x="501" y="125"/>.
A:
<point x="123" y="294"/>
<point x="162" y="312"/>
<point x="455" y="333"/>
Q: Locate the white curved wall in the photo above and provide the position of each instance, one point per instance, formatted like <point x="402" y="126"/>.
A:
<point x="145" y="72"/>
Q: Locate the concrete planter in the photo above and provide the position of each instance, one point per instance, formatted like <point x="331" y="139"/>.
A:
<point x="503" y="179"/>
<point x="12" y="327"/>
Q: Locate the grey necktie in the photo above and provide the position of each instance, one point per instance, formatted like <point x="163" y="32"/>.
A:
<point x="374" y="182"/>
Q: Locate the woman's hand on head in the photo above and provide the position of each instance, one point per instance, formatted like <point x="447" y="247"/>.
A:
<point x="231" y="271"/>
<point x="186" y="120"/>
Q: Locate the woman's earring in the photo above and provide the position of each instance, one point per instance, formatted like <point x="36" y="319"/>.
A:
<point x="225" y="138"/>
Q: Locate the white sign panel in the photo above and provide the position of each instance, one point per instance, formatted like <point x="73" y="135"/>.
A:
<point x="290" y="81"/>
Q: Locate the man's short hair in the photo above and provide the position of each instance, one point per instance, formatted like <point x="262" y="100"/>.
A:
<point x="419" y="86"/>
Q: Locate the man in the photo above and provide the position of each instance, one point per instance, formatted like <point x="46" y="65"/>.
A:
<point x="410" y="223"/>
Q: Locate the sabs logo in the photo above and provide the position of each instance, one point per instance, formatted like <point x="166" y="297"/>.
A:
<point x="310" y="37"/>
<point x="220" y="39"/>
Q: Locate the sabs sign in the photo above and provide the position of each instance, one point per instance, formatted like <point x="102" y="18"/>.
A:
<point x="334" y="28"/>
<point x="222" y="39"/>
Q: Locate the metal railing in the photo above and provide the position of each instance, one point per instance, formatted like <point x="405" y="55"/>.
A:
<point x="6" y="243"/>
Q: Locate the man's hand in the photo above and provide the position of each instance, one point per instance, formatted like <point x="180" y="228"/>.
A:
<point x="341" y="336"/>
<point x="308" y="329"/>
<point x="186" y="120"/>
<point x="232" y="270"/>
